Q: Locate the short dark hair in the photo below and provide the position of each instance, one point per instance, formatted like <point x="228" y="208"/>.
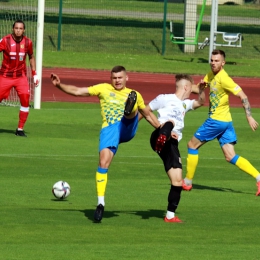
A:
<point x="118" y="69"/>
<point x="220" y="52"/>
<point x="19" y="21"/>
<point x="179" y="77"/>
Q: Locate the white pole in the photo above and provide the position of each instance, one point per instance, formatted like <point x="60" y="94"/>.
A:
<point x="213" y="26"/>
<point x="39" y="51"/>
<point x="216" y="22"/>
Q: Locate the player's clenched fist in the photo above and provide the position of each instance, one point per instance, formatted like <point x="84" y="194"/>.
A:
<point x="55" y="79"/>
<point x="36" y="79"/>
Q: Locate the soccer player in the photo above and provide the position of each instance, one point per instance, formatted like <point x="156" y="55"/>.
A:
<point x="119" y="111"/>
<point x="219" y="123"/>
<point x="164" y="140"/>
<point x="15" y="48"/>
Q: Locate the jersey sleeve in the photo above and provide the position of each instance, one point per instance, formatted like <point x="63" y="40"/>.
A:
<point x="95" y="90"/>
<point x="188" y="104"/>
<point x="2" y="44"/>
<point x="157" y="103"/>
<point x="140" y="101"/>
<point x="229" y="85"/>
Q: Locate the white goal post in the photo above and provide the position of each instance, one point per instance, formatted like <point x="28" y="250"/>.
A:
<point x="39" y="51"/>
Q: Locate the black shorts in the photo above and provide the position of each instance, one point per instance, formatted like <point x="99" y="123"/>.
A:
<point x="170" y="153"/>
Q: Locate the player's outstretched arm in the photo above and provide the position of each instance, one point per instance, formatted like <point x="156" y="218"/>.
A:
<point x="251" y="121"/>
<point x="195" y="88"/>
<point x="148" y="114"/>
<point x="69" y="89"/>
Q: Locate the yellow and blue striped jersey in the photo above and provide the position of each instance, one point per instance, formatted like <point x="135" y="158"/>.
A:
<point x="221" y="85"/>
<point x="112" y="102"/>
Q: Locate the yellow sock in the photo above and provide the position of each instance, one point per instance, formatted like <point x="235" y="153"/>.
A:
<point x="101" y="182"/>
<point x="246" y="166"/>
<point x="192" y="162"/>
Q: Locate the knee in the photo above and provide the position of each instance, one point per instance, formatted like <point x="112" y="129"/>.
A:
<point x="24" y="100"/>
<point x="177" y="183"/>
<point x="104" y="163"/>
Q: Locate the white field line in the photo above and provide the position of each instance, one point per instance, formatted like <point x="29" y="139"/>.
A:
<point x="84" y="109"/>
<point x="95" y="158"/>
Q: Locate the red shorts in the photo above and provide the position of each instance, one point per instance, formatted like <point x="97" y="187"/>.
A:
<point x="20" y="84"/>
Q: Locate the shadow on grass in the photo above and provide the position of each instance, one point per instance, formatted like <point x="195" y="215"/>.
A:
<point x="150" y="213"/>
<point x="89" y="213"/>
<point x="8" y="131"/>
<point x="144" y="214"/>
<point x="203" y="187"/>
<point x="59" y="200"/>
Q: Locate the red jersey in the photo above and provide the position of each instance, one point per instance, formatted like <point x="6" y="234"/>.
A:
<point x="14" y="56"/>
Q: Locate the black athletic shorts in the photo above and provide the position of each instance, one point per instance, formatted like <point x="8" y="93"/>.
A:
<point x="170" y="153"/>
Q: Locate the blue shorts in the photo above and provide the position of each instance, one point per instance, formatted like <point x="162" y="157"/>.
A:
<point x="211" y="129"/>
<point x="123" y="131"/>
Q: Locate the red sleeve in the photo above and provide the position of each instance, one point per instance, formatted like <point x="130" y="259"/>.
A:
<point x="2" y="44"/>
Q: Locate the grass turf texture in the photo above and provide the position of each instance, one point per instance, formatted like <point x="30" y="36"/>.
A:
<point x="143" y="54"/>
<point x="148" y="63"/>
<point x="220" y="214"/>
<point x="105" y="41"/>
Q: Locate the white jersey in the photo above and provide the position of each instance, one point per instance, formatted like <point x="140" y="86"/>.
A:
<point x="170" y="107"/>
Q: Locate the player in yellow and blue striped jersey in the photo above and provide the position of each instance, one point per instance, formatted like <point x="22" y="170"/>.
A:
<point x="219" y="122"/>
<point x="119" y="110"/>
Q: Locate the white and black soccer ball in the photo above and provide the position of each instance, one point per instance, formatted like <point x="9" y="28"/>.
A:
<point x="61" y="190"/>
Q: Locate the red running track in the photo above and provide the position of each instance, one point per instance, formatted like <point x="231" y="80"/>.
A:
<point x="148" y="84"/>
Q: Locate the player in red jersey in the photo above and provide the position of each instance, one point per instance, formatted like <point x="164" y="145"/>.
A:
<point x="15" y="48"/>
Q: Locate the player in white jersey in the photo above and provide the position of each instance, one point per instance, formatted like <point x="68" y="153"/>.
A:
<point x="170" y="107"/>
<point x="164" y="140"/>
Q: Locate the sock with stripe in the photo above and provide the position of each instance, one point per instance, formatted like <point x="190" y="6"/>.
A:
<point x="244" y="165"/>
<point x="101" y="183"/>
<point x="192" y="162"/>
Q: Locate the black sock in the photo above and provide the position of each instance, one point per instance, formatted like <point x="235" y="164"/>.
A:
<point x="174" y="198"/>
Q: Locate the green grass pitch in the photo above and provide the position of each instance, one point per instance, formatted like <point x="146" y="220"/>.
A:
<point x="221" y="213"/>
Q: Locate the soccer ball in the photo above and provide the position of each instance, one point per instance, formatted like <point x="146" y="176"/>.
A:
<point x="61" y="190"/>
